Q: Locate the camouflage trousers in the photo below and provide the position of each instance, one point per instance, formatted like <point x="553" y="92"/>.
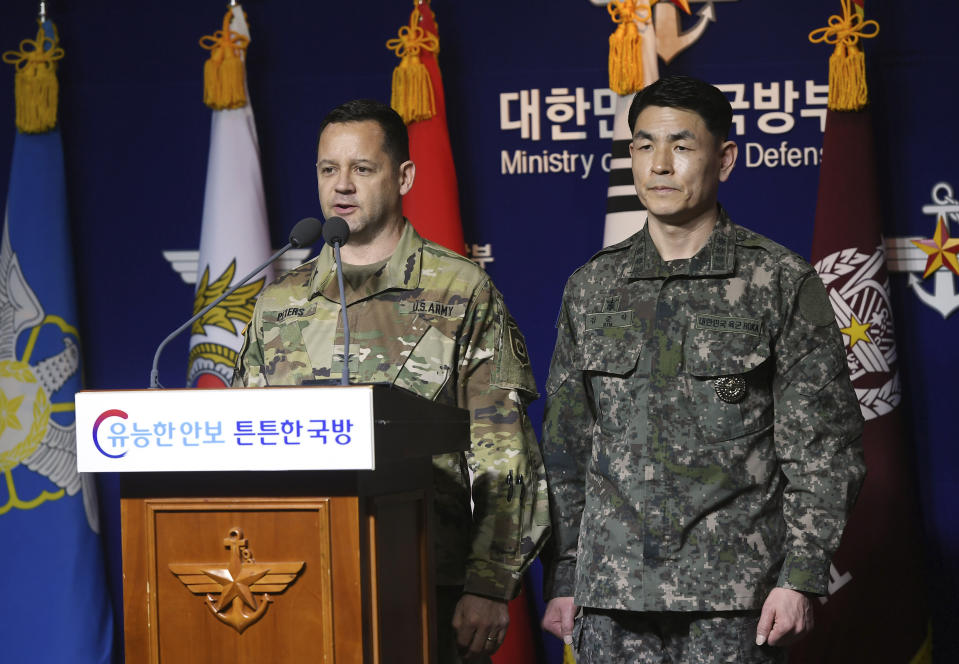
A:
<point x="611" y="637"/>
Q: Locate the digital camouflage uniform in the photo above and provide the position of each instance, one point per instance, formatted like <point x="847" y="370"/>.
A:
<point x="432" y="322"/>
<point x="701" y="435"/>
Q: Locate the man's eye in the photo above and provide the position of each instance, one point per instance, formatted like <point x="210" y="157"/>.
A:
<point x="364" y="170"/>
<point x="326" y="170"/>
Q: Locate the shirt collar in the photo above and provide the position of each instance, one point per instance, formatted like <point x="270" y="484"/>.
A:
<point x="717" y="256"/>
<point x="402" y="271"/>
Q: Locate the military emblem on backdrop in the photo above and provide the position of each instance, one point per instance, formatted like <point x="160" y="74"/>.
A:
<point x="932" y="263"/>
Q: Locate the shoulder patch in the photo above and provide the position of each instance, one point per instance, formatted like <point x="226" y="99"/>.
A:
<point x="814" y="303"/>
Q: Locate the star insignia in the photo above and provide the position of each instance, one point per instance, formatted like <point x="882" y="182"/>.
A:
<point x="941" y="250"/>
<point x="856" y="332"/>
<point x="8" y="412"/>
<point x="237" y="582"/>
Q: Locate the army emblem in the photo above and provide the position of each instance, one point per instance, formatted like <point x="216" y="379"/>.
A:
<point x="730" y="389"/>
<point x="30" y="436"/>
<point x="858" y="289"/>
<point x="237" y="583"/>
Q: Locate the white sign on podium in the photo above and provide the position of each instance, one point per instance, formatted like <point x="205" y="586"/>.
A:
<point x="275" y="428"/>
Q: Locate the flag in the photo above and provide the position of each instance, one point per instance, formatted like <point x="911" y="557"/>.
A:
<point x="432" y="205"/>
<point x="876" y="610"/>
<point x="56" y="604"/>
<point x="234" y="237"/>
<point x="625" y="214"/>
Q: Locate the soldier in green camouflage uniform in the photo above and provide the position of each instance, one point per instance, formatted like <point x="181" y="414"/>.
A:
<point x="701" y="436"/>
<point x="430" y="321"/>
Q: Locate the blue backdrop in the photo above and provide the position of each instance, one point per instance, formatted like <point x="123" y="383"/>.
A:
<point x="135" y="137"/>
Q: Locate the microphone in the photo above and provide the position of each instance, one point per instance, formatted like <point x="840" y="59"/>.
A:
<point x="304" y="233"/>
<point x="336" y="232"/>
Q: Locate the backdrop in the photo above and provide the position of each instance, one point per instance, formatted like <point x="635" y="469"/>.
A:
<point x="529" y="119"/>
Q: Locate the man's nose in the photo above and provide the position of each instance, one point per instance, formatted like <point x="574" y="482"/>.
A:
<point x="344" y="180"/>
<point x="662" y="162"/>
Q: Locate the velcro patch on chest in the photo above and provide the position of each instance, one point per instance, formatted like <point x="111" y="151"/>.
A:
<point x="751" y="326"/>
<point x="432" y="308"/>
<point x="289" y="312"/>
<point x="599" y="320"/>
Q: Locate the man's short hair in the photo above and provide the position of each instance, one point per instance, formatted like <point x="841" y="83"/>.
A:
<point x="688" y="94"/>
<point x="396" y="140"/>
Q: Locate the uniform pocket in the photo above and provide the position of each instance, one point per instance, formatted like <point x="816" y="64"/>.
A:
<point x="429" y="365"/>
<point x="610" y="364"/>
<point x="729" y="383"/>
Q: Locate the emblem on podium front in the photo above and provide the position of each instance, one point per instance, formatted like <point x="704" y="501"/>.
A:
<point x="237" y="592"/>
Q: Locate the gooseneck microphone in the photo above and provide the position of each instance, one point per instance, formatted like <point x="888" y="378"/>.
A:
<point x="336" y="232"/>
<point x="306" y="232"/>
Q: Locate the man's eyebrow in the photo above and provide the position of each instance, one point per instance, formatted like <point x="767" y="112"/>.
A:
<point x="672" y="138"/>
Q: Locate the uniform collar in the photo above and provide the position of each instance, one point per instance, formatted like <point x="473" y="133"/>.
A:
<point x="402" y="271"/>
<point x="717" y="257"/>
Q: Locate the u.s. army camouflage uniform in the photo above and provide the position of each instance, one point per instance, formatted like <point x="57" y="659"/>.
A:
<point x="701" y="433"/>
<point x="432" y="322"/>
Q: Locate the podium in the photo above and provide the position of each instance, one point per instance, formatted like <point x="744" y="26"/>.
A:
<point x="297" y="565"/>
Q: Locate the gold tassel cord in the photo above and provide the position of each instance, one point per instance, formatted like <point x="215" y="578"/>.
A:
<point x="224" y="76"/>
<point x="412" y="95"/>
<point x="847" y="64"/>
<point x="625" y="45"/>
<point x="36" y="89"/>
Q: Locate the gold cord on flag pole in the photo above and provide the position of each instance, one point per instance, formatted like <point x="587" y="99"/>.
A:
<point x="847" y="64"/>
<point x="36" y="89"/>
<point x="625" y="44"/>
<point x="412" y="96"/>
<point x="224" y="76"/>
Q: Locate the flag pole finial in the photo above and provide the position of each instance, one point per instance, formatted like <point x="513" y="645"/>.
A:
<point x="42" y="13"/>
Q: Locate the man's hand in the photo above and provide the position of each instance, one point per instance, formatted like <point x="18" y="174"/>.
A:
<point x="480" y="625"/>
<point x="786" y="618"/>
<point x="558" y="618"/>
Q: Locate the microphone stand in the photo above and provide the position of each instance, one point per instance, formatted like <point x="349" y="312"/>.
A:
<point x="155" y="372"/>
<point x="345" y="377"/>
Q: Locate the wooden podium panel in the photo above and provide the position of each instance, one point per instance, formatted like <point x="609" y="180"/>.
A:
<point x="363" y="594"/>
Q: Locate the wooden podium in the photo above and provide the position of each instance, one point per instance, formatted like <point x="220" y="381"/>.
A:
<point x="291" y="566"/>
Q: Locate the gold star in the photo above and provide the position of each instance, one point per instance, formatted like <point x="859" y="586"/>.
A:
<point x="856" y="332"/>
<point x="236" y="582"/>
<point x="941" y="250"/>
<point x="8" y="412"/>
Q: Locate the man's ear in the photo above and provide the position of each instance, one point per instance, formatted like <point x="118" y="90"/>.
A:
<point x="728" y="152"/>
<point x="407" y="175"/>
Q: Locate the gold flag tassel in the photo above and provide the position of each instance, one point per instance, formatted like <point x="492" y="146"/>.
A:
<point x="568" y="656"/>
<point x="847" y="64"/>
<point x="224" y="75"/>
<point x="35" y="85"/>
<point x="625" y="45"/>
<point x="412" y="95"/>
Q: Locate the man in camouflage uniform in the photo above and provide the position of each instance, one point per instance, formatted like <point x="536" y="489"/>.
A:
<point x="701" y="435"/>
<point x="431" y="321"/>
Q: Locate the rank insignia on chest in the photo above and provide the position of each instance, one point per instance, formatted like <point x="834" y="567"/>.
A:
<point x="730" y="389"/>
<point x="600" y="320"/>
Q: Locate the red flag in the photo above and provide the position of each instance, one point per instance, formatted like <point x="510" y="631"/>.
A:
<point x="877" y="609"/>
<point x="433" y="204"/>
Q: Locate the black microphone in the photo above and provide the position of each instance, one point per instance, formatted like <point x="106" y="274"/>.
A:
<point x="306" y="232"/>
<point x="336" y="232"/>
